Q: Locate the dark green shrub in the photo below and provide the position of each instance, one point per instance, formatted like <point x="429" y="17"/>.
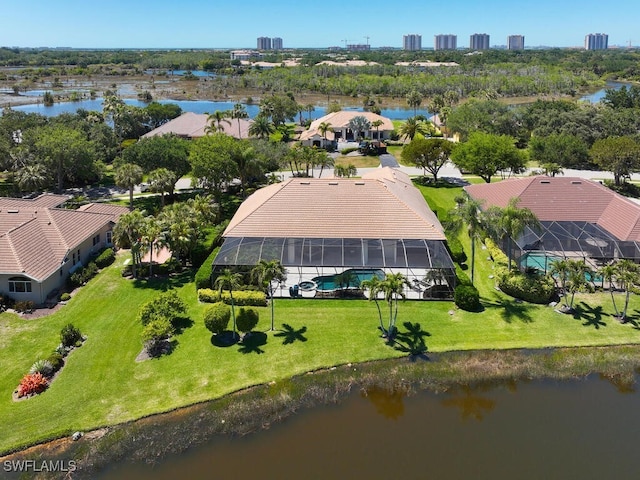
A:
<point x="154" y="333"/>
<point x="530" y="288"/>
<point x="83" y="275"/>
<point x="24" y="306"/>
<point x="203" y="275"/>
<point x="458" y="254"/>
<point x="467" y="298"/>
<point x="105" y="258"/>
<point x="56" y="360"/>
<point x="166" y="305"/>
<point x="216" y="317"/>
<point x="69" y="335"/>
<point x="241" y="298"/>
<point x="247" y="319"/>
<point x="462" y="277"/>
<point x="6" y="302"/>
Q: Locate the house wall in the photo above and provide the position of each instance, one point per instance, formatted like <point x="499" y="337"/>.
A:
<point x="56" y="281"/>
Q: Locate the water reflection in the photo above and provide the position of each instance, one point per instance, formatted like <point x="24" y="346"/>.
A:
<point x="388" y="403"/>
<point x="473" y="401"/>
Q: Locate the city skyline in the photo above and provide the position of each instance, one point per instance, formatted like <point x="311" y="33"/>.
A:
<point x="198" y="24"/>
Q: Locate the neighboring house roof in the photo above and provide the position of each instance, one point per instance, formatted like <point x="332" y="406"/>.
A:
<point x="115" y="211"/>
<point x="340" y="120"/>
<point x="382" y="204"/>
<point x="566" y="199"/>
<point x="46" y="200"/>
<point x="193" y="125"/>
<point x="35" y="240"/>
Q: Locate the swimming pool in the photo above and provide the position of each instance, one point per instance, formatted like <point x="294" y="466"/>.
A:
<point x="539" y="261"/>
<point x="352" y="277"/>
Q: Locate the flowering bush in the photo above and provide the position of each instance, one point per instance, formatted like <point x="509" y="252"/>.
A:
<point x="31" y="384"/>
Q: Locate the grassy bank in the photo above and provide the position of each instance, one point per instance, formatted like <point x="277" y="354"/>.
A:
<point x="258" y="408"/>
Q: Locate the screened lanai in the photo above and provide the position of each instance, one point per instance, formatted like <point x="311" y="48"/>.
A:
<point x="324" y="231"/>
<point x="580" y="219"/>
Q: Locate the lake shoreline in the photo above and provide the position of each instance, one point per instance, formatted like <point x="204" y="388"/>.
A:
<point x="258" y="407"/>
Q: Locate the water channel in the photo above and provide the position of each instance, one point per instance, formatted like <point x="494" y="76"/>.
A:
<point x="526" y="430"/>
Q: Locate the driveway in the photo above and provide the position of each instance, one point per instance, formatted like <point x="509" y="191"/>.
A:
<point x="388" y="160"/>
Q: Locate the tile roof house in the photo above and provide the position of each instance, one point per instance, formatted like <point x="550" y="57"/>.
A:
<point x="41" y="244"/>
<point x="339" y="123"/>
<point x="191" y="125"/>
<point x="319" y="227"/>
<point x="580" y="218"/>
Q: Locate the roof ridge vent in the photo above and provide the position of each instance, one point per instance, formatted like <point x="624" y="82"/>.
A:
<point x="333" y="183"/>
<point x="305" y="183"/>
<point x="359" y="183"/>
<point x="576" y="182"/>
<point x="545" y="181"/>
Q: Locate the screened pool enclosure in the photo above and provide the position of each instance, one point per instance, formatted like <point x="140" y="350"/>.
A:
<point x="575" y="240"/>
<point x="426" y="263"/>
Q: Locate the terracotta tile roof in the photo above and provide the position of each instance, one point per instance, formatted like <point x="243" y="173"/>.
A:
<point x="115" y="211"/>
<point x="46" y="200"/>
<point x="193" y="125"/>
<point x="34" y="240"/>
<point x="383" y="204"/>
<point x="566" y="199"/>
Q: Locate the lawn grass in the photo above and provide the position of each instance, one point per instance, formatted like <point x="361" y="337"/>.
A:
<point x="359" y="161"/>
<point x="101" y="383"/>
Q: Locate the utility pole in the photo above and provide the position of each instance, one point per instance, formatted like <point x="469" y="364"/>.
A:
<point x="345" y="43"/>
<point x="367" y="37"/>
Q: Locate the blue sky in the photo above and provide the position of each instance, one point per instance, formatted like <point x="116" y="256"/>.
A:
<point x="225" y="24"/>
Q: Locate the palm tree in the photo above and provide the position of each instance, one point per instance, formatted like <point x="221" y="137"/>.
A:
<point x="627" y="277"/>
<point x="377" y="124"/>
<point x="572" y="275"/>
<point x="215" y="121"/>
<point x="468" y="213"/>
<point x="359" y="125"/>
<point x="149" y="232"/>
<point x="162" y="180"/>
<point x="414" y="99"/>
<point x="239" y="113"/>
<point x="266" y="272"/>
<point x="323" y="161"/>
<point x="374" y="286"/>
<point x="128" y="176"/>
<point x="127" y="233"/>
<point x="261" y="127"/>
<point x="31" y="177"/>
<point x="323" y="128"/>
<point x="393" y="288"/>
<point x="609" y="274"/>
<point x="231" y="280"/>
<point x="346" y="171"/>
<point x="510" y="222"/>
<point x="411" y="127"/>
<point x="309" y="108"/>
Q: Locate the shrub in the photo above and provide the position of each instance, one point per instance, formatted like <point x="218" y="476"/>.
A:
<point x="166" y="305"/>
<point x="462" y="278"/>
<point x="83" y="275"/>
<point x="216" y="317"/>
<point x="154" y="333"/>
<point x="458" y="254"/>
<point x="530" y="288"/>
<point x="31" y="384"/>
<point x="24" y="306"/>
<point x="6" y="302"/>
<point x="56" y="360"/>
<point x="467" y="298"/>
<point x="345" y="151"/>
<point x="105" y="258"/>
<point x="247" y="319"/>
<point x="42" y="366"/>
<point x="65" y="297"/>
<point x="69" y="335"/>
<point x="203" y="275"/>
<point x="241" y="298"/>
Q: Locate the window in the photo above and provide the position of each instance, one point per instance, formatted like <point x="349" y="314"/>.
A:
<point x="74" y="258"/>
<point x="96" y="240"/>
<point x="19" y="285"/>
<point x="109" y="237"/>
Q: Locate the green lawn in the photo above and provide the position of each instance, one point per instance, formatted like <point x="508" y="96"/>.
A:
<point x="102" y="384"/>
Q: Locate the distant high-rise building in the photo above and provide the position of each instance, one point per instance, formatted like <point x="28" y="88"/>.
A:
<point x="412" y="41"/>
<point x="515" y="42"/>
<point x="358" y="47"/>
<point x="445" y="42"/>
<point x="264" y="43"/>
<point x="276" y="43"/>
<point x="479" y="41"/>
<point x="596" y="41"/>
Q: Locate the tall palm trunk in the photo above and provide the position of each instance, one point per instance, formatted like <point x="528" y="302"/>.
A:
<point x="272" y="306"/>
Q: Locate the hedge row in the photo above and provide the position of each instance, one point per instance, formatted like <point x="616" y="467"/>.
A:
<point x="203" y="275"/>
<point x="242" y="298"/>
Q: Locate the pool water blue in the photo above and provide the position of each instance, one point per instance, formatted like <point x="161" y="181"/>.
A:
<point x="332" y="282"/>
<point x="538" y="261"/>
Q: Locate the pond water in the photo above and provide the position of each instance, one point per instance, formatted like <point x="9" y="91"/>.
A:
<point x="196" y="106"/>
<point x="541" y="429"/>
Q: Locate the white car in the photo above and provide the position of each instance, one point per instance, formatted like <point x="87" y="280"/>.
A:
<point x="144" y="187"/>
